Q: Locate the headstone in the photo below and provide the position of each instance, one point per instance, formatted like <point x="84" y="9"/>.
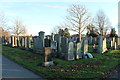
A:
<point x="39" y="43"/>
<point x="113" y="43"/>
<point x="52" y="36"/>
<point x="70" y="55"/>
<point x="47" y="57"/>
<point x="64" y="46"/>
<point x="47" y="42"/>
<point x="25" y="42"/>
<point x="9" y="40"/>
<point x="15" y="41"/>
<point x="90" y="40"/>
<point x="94" y="48"/>
<point x="28" y="43"/>
<point x="100" y="45"/>
<point x="12" y="41"/>
<point x="54" y="47"/>
<point x="118" y="43"/>
<point x="115" y="46"/>
<point x="18" y="41"/>
<point x="35" y="41"/>
<point x="104" y="48"/>
<point x="57" y="38"/>
<point x="78" y="51"/>
<point x="85" y="46"/>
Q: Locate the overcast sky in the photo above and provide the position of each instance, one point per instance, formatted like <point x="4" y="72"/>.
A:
<point x="41" y="15"/>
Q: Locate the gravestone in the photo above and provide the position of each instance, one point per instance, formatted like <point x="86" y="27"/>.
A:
<point x="78" y="51"/>
<point x="94" y="49"/>
<point x="28" y="43"/>
<point x="18" y="41"/>
<point x="15" y="41"/>
<point x="70" y="55"/>
<point x="85" y="46"/>
<point x="57" y="38"/>
<point x="70" y="39"/>
<point x="100" y="44"/>
<point x="115" y="46"/>
<point x="54" y="48"/>
<point x="47" y="42"/>
<point x="104" y="48"/>
<point x="113" y="43"/>
<point x="25" y="42"/>
<point x="39" y="43"/>
<point x="90" y="40"/>
<point x="64" y="46"/>
<point x="35" y="43"/>
<point x="52" y="36"/>
<point x="47" y="57"/>
<point x="118" y="43"/>
<point x="9" y="40"/>
<point x="12" y="41"/>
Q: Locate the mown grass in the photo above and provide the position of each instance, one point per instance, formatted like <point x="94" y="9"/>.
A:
<point x="84" y="68"/>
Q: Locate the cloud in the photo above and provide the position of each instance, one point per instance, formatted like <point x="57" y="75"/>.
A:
<point x="54" y="6"/>
<point x="58" y="0"/>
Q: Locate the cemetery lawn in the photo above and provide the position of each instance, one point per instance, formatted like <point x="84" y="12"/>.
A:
<point x="84" y="68"/>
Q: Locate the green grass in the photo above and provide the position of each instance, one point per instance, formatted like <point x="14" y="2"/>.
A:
<point x="84" y="68"/>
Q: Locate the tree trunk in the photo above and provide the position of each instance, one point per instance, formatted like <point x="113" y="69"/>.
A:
<point x="79" y="35"/>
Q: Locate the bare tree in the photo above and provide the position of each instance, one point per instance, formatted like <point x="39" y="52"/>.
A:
<point x="3" y="25"/>
<point x="77" y="19"/>
<point x="2" y="20"/>
<point x="102" y="22"/>
<point x="56" y="29"/>
<point x="19" y="28"/>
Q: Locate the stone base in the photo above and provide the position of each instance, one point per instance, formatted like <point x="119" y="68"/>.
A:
<point x="49" y="63"/>
<point x="70" y="57"/>
<point x="78" y="56"/>
<point x="104" y="50"/>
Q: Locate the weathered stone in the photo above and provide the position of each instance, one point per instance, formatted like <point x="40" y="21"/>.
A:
<point x="64" y="46"/>
<point x="47" y="42"/>
<point x="100" y="45"/>
<point x="70" y="55"/>
<point x="58" y="40"/>
<point x="47" y="57"/>
<point x="104" y="47"/>
<point x="78" y="51"/>
<point x="39" y="43"/>
<point x="12" y="41"/>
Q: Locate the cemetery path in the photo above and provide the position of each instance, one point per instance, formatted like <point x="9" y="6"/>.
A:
<point x="12" y="70"/>
<point x="117" y="74"/>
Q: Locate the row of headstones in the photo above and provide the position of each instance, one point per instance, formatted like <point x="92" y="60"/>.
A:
<point x="114" y="43"/>
<point x="66" y="49"/>
<point x="15" y="41"/>
<point x="58" y="45"/>
<point x="55" y="43"/>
